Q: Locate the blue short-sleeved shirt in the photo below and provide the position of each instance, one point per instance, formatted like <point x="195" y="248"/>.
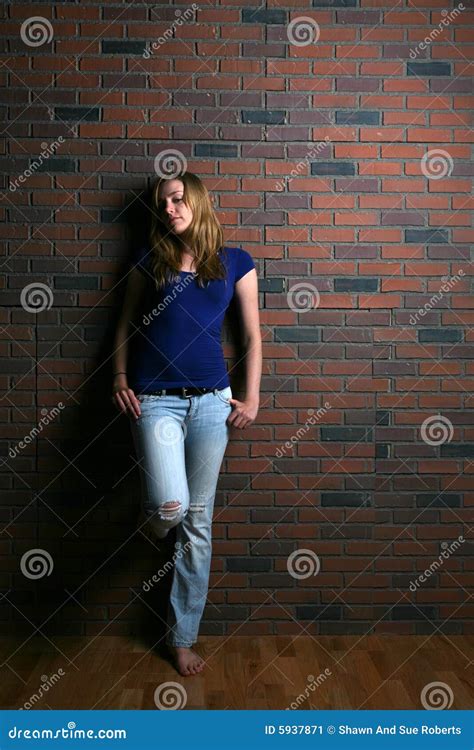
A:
<point x="178" y="341"/>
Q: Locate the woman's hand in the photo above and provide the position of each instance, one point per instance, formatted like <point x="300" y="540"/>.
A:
<point x="243" y="412"/>
<point x="124" y="398"/>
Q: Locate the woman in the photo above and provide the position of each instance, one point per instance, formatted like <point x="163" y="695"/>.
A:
<point x="175" y="388"/>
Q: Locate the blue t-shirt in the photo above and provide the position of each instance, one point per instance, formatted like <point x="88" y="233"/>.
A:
<point x="178" y="341"/>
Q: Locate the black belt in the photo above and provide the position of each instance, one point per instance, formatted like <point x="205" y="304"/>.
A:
<point x="183" y="391"/>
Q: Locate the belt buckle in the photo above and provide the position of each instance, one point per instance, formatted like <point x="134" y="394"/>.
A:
<point x="183" y="392"/>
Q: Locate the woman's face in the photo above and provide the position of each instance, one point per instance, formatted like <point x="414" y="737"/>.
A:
<point x="172" y="209"/>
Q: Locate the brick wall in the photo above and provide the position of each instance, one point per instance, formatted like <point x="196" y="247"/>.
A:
<point x="338" y="154"/>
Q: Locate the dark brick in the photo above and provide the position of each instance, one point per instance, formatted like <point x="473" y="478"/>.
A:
<point x="426" y="335"/>
<point x="428" y="68"/>
<point x="336" y="499"/>
<point x="438" y="500"/>
<point x="457" y="450"/>
<point x="89" y="114"/>
<point x="57" y="165"/>
<point x="76" y="282"/>
<point x="271" y="285"/>
<point x="362" y="284"/>
<point x="122" y="47"/>
<point x="382" y="450"/>
<point x="264" y="117"/>
<point x="344" y="434"/>
<point x="420" y="612"/>
<point x="314" y="612"/>
<point x="426" y="236"/>
<point x="283" y="333"/>
<point x="270" y="16"/>
<point x="382" y="417"/>
<point x="249" y="564"/>
<point x="357" y="117"/>
<point x="218" y="150"/>
<point x="332" y="167"/>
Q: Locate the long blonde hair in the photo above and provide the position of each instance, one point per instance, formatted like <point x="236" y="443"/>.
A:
<point x="204" y="235"/>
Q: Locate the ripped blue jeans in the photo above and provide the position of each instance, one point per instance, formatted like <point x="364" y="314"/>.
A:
<point x="180" y="444"/>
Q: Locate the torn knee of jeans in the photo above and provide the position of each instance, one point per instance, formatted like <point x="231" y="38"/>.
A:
<point x="170" y="510"/>
<point x="196" y="507"/>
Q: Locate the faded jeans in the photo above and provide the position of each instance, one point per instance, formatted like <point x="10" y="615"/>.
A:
<point x="180" y="444"/>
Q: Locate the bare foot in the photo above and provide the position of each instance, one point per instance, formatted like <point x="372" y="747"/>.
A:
<point x="187" y="661"/>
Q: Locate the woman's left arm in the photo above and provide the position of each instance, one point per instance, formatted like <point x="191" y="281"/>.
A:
<point x="246" y="291"/>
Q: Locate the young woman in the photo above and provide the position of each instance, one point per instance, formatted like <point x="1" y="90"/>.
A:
<point x="175" y="388"/>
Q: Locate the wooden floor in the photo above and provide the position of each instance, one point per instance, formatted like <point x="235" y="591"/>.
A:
<point x="274" y="672"/>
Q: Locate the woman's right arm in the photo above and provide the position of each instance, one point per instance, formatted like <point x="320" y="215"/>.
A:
<point x="123" y="396"/>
